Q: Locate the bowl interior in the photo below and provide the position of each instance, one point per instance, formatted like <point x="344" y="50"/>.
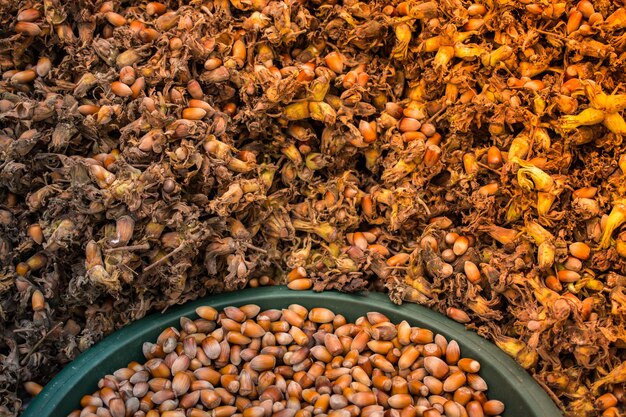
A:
<point x="507" y="381"/>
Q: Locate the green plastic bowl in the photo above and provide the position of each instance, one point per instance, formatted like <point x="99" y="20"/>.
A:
<point x="507" y="381"/>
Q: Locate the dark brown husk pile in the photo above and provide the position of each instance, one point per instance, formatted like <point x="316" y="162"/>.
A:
<point x="141" y="209"/>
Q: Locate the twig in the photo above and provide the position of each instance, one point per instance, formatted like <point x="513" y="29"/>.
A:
<point x="25" y="330"/>
<point x="256" y="248"/>
<point x="143" y="246"/>
<point x="556" y="35"/>
<point x="551" y="393"/>
<point x="132" y="271"/>
<point x="495" y="171"/>
<point x="166" y="257"/>
<point x="36" y="345"/>
<point x="423" y="204"/>
<point x="441" y="110"/>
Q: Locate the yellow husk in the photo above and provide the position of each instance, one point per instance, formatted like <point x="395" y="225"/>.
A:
<point x="431" y="44"/>
<point x="497" y="56"/>
<point x="545" y="255"/>
<point x="467" y="51"/>
<point x="614" y="103"/>
<point x="509" y="345"/>
<point x="500" y="234"/>
<point x="617" y="20"/>
<point x="587" y="117"/>
<point x="530" y="177"/>
<point x="319" y="87"/>
<point x="403" y="38"/>
<point x="297" y="111"/>
<point x="537" y="232"/>
<point x="615" y="220"/>
<point x="542" y="138"/>
<point x="520" y="146"/>
<point x="513" y="212"/>
<point x="615" y="123"/>
<point x="616" y="376"/>
<point x="544" y="202"/>
<point x="443" y="56"/>
<point x="322" y="112"/>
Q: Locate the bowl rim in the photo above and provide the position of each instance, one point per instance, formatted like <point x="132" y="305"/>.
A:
<point x="50" y="399"/>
